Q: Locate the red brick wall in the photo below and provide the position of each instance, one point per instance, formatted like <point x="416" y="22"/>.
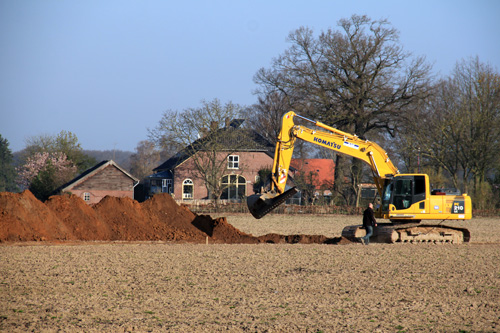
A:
<point x="97" y="195"/>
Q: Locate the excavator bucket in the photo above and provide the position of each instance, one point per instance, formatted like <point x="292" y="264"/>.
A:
<point x="260" y="205"/>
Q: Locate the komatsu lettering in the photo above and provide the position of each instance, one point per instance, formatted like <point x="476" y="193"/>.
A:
<point x="327" y="143"/>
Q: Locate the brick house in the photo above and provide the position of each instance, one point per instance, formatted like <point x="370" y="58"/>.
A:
<point x="177" y="175"/>
<point x="105" y="178"/>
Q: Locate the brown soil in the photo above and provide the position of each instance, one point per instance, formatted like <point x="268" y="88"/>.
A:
<point x="69" y="218"/>
<point x="186" y="287"/>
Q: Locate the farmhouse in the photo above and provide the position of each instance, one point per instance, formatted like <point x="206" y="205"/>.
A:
<point x="105" y="178"/>
<point x="241" y="153"/>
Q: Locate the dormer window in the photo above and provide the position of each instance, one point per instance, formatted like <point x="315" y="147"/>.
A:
<point x="233" y="162"/>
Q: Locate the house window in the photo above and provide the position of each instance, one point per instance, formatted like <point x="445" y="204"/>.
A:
<point x="234" y="187"/>
<point x="233" y="162"/>
<point x="86" y="196"/>
<point x="187" y="189"/>
<point x="369" y="193"/>
<point x="166" y="185"/>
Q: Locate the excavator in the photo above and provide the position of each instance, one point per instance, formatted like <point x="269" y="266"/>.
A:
<point x="405" y="199"/>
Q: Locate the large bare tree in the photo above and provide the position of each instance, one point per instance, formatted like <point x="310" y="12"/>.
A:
<point x="357" y="78"/>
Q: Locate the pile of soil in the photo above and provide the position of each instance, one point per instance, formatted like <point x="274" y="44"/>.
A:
<point x="68" y="218"/>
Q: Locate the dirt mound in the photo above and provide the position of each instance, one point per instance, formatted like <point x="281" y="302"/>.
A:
<point x="68" y="217"/>
<point x="222" y="232"/>
<point x="174" y="221"/>
<point x="80" y="219"/>
<point x="24" y="218"/>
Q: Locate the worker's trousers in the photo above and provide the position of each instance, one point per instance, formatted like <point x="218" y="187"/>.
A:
<point x="369" y="233"/>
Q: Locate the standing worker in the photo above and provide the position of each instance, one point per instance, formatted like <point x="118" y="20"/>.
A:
<point x="369" y="223"/>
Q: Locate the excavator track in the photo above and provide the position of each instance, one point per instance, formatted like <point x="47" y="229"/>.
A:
<point x="410" y="233"/>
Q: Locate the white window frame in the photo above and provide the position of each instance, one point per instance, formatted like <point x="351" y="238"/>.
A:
<point x="233" y="162"/>
<point x="86" y="196"/>
<point x="166" y="185"/>
<point x="185" y="183"/>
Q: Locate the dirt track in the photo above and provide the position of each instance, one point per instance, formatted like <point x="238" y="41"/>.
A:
<point x="156" y="286"/>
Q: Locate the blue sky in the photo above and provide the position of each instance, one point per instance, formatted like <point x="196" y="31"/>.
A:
<point x="107" y="70"/>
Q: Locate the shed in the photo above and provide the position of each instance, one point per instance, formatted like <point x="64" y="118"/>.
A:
<point x="105" y="178"/>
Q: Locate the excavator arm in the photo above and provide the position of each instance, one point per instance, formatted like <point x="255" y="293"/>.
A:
<point x="328" y="137"/>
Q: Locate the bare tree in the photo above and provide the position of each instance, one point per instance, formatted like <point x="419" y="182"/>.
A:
<point x="145" y="159"/>
<point x="265" y="116"/>
<point x="458" y="130"/>
<point x="478" y="86"/>
<point x="208" y="135"/>
<point x="433" y="134"/>
<point x="357" y="78"/>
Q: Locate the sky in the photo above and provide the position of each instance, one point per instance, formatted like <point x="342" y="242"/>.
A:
<point x="107" y="70"/>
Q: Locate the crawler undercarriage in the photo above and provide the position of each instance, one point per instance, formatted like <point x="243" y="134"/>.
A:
<point x="410" y="233"/>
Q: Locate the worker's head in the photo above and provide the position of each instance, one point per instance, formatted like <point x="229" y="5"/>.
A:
<point x="370" y="205"/>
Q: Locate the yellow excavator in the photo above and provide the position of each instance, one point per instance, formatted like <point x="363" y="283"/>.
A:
<point x="406" y="199"/>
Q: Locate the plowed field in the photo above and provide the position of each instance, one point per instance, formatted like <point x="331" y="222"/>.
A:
<point x="160" y="284"/>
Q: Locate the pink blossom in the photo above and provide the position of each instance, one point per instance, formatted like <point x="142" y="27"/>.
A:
<point x="38" y="162"/>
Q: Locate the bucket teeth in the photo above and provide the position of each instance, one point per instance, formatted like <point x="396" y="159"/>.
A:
<point x="260" y="205"/>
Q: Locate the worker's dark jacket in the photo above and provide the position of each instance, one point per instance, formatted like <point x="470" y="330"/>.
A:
<point x="369" y="218"/>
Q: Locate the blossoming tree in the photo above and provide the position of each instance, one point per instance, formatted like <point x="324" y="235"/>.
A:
<point x="43" y="172"/>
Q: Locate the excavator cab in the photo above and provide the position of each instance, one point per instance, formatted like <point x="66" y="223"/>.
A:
<point x="403" y="193"/>
<point x="408" y="198"/>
